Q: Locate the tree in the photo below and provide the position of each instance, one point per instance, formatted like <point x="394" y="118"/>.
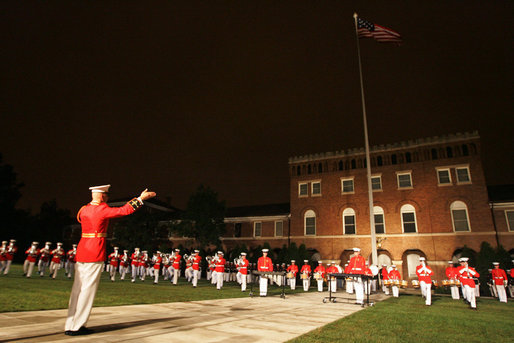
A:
<point x="50" y="222"/>
<point x="9" y="195"/>
<point x="204" y="217"/>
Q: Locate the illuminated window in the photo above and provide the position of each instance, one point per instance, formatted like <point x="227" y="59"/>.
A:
<point x="444" y="176"/>
<point x="303" y="189"/>
<point x="347" y="185"/>
<point x="349" y="221"/>
<point x="404" y="179"/>
<point x="316" y="188"/>
<point x="463" y="175"/>
<point x="376" y="183"/>
<point x="279" y="228"/>
<point x="257" y="229"/>
<point x="378" y="213"/>
<point x="460" y="218"/>
<point x="310" y="223"/>
<point x="408" y="213"/>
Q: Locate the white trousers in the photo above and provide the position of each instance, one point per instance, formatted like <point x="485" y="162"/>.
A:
<point x="306" y="284"/>
<point x="511" y="291"/>
<point x="175" y="276"/>
<point x="196" y="273"/>
<point x="385" y="289"/>
<point x="87" y="278"/>
<point x="396" y="291"/>
<point x="71" y="269"/>
<point x="358" y="286"/>
<point x="54" y="267"/>
<point x="28" y="268"/>
<point x="349" y="287"/>
<point x="469" y="295"/>
<point x="214" y="277"/>
<point x="7" y="266"/>
<point x="219" y="279"/>
<point x="455" y="292"/>
<point x="426" y="291"/>
<point x="41" y="266"/>
<point x="320" y="285"/>
<point x="502" y="294"/>
<point x="333" y="285"/>
<point x="263" y="286"/>
<point x="156" y="275"/>
<point x="292" y="283"/>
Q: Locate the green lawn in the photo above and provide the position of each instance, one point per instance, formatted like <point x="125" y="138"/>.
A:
<point x="19" y="293"/>
<point x="407" y="319"/>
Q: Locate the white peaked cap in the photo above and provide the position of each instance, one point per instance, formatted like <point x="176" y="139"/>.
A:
<point x="158" y="252"/>
<point x="197" y="251"/>
<point x="422" y="259"/>
<point x="177" y="250"/>
<point x="356" y="249"/>
<point x="74" y="245"/>
<point x="464" y="259"/>
<point x="59" y="243"/>
<point x="220" y="252"/>
<point x="243" y="254"/>
<point x="116" y="248"/>
<point x="125" y="251"/>
<point x="35" y="243"/>
<point x="136" y="248"/>
<point x="496" y="263"/>
<point x="305" y="261"/>
<point x="4" y="242"/>
<point x="320" y="261"/>
<point x="13" y="241"/>
<point x="394" y="266"/>
<point x="48" y="243"/>
<point x="333" y="262"/>
<point x="293" y="261"/>
<point x="450" y="262"/>
<point x="100" y="189"/>
<point x="265" y="250"/>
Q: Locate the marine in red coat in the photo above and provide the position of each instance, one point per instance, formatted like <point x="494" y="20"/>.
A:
<point x="94" y="218"/>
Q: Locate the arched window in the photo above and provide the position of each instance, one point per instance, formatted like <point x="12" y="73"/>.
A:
<point x="354" y="164"/>
<point x="320" y="168"/>
<point x="378" y="213"/>
<point x="310" y="223"/>
<point x="298" y="170"/>
<point x="408" y="213"/>
<point x="449" y="152"/>
<point x="434" y="154"/>
<point x="309" y="169"/>
<point x="465" y="151"/>
<point x="349" y="221"/>
<point x="460" y="217"/>
<point x="408" y="157"/>
<point x="379" y="161"/>
<point x="394" y="159"/>
<point x="340" y="165"/>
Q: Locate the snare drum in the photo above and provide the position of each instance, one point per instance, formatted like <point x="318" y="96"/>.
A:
<point x="290" y="275"/>
<point x="388" y="282"/>
<point x="457" y="283"/>
<point x="318" y="276"/>
<point x="404" y="284"/>
<point x="435" y="283"/>
<point x="415" y="283"/>
<point x="304" y="276"/>
<point x="446" y="283"/>
<point x="396" y="282"/>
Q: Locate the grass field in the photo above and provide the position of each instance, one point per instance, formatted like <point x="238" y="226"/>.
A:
<point x="407" y="319"/>
<point x="19" y="293"/>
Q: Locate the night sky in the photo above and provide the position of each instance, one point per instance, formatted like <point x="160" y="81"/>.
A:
<point x="222" y="93"/>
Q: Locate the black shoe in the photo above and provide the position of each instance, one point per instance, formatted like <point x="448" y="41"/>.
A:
<point x="85" y="331"/>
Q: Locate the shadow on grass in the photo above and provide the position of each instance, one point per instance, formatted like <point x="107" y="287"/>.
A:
<point x="101" y="328"/>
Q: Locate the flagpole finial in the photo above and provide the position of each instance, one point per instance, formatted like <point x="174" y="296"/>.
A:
<point x="355" y="14"/>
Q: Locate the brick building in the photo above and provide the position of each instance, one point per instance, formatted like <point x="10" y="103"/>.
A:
<point x="430" y="199"/>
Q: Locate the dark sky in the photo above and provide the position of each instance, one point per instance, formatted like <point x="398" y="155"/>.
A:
<point x="222" y="93"/>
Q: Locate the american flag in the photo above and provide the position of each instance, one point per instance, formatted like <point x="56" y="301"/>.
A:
<point x="382" y="34"/>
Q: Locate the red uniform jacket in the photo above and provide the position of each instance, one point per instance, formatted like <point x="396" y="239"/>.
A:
<point x="451" y="273"/>
<point x="113" y="259"/>
<point x="71" y="255"/>
<point x="10" y="251"/>
<point x="57" y="255"/>
<point x="124" y="260"/>
<point x="32" y="256"/>
<point x="95" y="220"/>
<point x="264" y="264"/>
<point x="293" y="269"/>
<point x="306" y="268"/>
<point x="385" y="274"/>
<point x="135" y="259"/>
<point x="176" y="261"/>
<point x="466" y="275"/>
<point x="332" y="270"/>
<point x="320" y="269"/>
<point x="394" y="275"/>
<point x="499" y="276"/>
<point x="243" y="267"/>
<point x="157" y="263"/>
<point x="44" y="255"/>
<point x="357" y="265"/>
<point x="220" y="265"/>
<point x="424" y="273"/>
<point x="196" y="262"/>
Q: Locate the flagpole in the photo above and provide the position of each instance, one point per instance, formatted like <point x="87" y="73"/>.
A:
<point x="374" y="257"/>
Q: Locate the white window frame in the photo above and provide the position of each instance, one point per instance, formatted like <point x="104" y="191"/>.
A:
<point x="312" y="188"/>
<point x="375" y="177"/>
<point x="459" y="206"/>
<point x="300" y="184"/>
<point x="347" y="213"/>
<point x="511" y="228"/>
<point x="255" y="229"/>
<point x="457" y="175"/>
<point x="309" y="214"/>
<point x="281" y="222"/>
<point x="408" y="208"/>
<point x="352" y="179"/>
<point x="406" y="172"/>
<point x="377" y="210"/>
<point x="439" y="183"/>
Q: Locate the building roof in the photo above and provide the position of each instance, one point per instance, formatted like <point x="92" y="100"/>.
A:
<point x="415" y="143"/>
<point x="501" y="193"/>
<point x="258" y="210"/>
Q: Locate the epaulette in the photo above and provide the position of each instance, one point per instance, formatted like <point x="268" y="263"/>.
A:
<point x="78" y="213"/>
<point x="135" y="204"/>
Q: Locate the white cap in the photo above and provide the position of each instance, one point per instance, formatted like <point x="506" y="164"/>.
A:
<point x="464" y="259"/>
<point x="450" y="262"/>
<point x="125" y="251"/>
<point x="394" y="266"/>
<point x="496" y="263"/>
<point x="305" y="261"/>
<point x="137" y="249"/>
<point x="265" y="250"/>
<point x="74" y="245"/>
<point x="320" y="261"/>
<point x="384" y="265"/>
<point x="158" y="252"/>
<point x="177" y="250"/>
<point x="35" y="243"/>
<point x="333" y="262"/>
<point x="13" y="241"/>
<point x="197" y="251"/>
<point x="220" y="253"/>
<point x="116" y="248"/>
<point x="59" y="244"/>
<point x="356" y="249"/>
<point x="293" y="261"/>
<point x="422" y="259"/>
<point x="243" y="254"/>
<point x="100" y="189"/>
<point x="4" y="242"/>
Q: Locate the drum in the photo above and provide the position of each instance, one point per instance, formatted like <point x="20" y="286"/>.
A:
<point x="290" y="275"/>
<point x="446" y="283"/>
<point x="349" y="279"/>
<point x="304" y="276"/>
<point x="404" y="284"/>
<point x="318" y="276"/>
<point x="415" y="283"/>
<point x="451" y="282"/>
<point x="388" y="282"/>
<point x="457" y="283"/>
<point x="435" y="283"/>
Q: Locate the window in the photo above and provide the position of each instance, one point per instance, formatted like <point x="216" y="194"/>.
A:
<point x="459" y="216"/>
<point x="376" y="183"/>
<point x="303" y="189"/>
<point x="316" y="188"/>
<point x="463" y="175"/>
<point x="257" y="229"/>
<point x="279" y="228"/>
<point x="509" y="215"/>
<point x="349" y="221"/>
<point x="347" y="185"/>
<point x="408" y="213"/>
<point x="404" y="180"/>
<point x="412" y="264"/>
<point x="444" y="177"/>
<point x="378" y="213"/>
<point x="237" y="230"/>
<point x="310" y="223"/>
